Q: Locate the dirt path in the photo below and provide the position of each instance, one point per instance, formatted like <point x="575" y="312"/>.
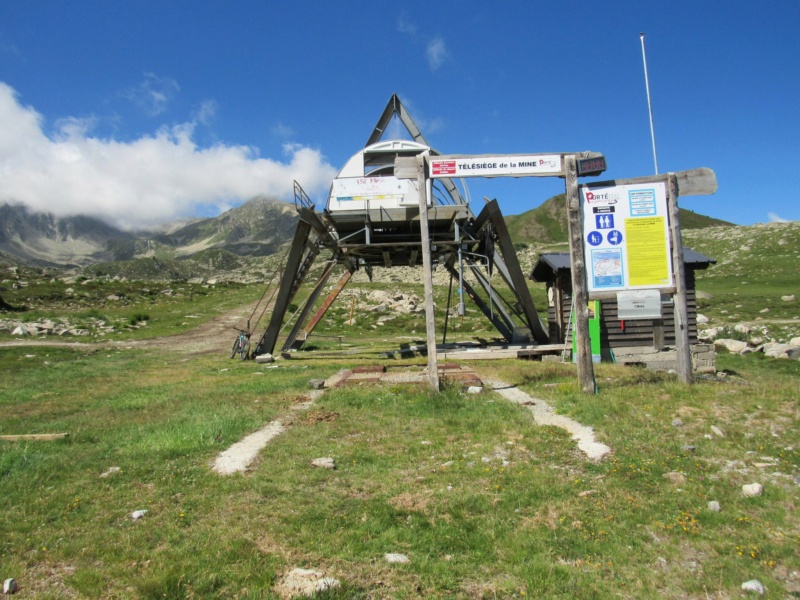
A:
<point x="215" y="336"/>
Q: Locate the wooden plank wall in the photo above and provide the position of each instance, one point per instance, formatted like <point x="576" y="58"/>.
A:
<point x="636" y="333"/>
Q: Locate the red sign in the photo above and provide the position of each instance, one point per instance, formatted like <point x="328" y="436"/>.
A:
<point x="443" y="167"/>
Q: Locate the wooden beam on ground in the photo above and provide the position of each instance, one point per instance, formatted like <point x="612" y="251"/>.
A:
<point x="34" y="437"/>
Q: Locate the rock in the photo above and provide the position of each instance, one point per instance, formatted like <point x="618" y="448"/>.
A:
<point x="299" y="583"/>
<point x="110" y="471"/>
<point x="701" y="319"/>
<point x="754" y="585"/>
<point x="752" y="490"/>
<point x="789" y="298"/>
<point x="689" y="448"/>
<point x="778" y="350"/>
<point x="717" y="431"/>
<point x="713" y="506"/>
<point x="324" y="463"/>
<point x="138" y="514"/>
<point x="732" y="346"/>
<point x="764" y="310"/>
<point x="675" y="478"/>
<point x="708" y="334"/>
<point x="265" y="358"/>
<point x="677" y="423"/>
<point x="10" y="586"/>
<point x="795" y="341"/>
<point x="112" y="298"/>
<point x="741" y="328"/>
<point x="586" y="493"/>
<point x="700" y="295"/>
<point x="316" y="384"/>
<point x="474" y="389"/>
<point x="397" y="558"/>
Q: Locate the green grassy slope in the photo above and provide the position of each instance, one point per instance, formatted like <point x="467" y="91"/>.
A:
<point x="547" y="223"/>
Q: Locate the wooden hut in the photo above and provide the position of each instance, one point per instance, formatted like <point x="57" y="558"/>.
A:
<point x="647" y="341"/>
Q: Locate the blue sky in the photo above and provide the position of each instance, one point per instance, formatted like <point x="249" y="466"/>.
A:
<point x="144" y="112"/>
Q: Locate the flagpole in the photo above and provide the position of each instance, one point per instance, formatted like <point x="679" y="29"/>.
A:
<point x="649" y="105"/>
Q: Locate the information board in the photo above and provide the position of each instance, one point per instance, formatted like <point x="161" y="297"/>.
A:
<point x="626" y="236"/>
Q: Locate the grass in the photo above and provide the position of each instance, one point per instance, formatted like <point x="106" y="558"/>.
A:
<point x="756" y="267"/>
<point x="485" y="503"/>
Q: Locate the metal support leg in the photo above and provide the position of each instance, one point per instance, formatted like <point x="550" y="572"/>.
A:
<point x="293" y="262"/>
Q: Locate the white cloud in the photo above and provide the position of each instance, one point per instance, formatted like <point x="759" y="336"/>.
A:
<point x="206" y="112"/>
<point x="282" y="131"/>
<point x="142" y="183"/>
<point x="153" y="95"/>
<point x="776" y="219"/>
<point x="436" y="53"/>
<point x="405" y="26"/>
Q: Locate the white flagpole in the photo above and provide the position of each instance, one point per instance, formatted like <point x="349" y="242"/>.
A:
<point x="649" y="105"/>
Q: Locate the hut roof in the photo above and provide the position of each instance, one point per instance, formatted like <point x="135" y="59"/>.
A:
<point x="551" y="263"/>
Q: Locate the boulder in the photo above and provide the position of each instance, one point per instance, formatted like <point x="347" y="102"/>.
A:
<point x="304" y="583"/>
<point x="675" y="478"/>
<point x="751" y="490"/>
<point x="778" y="350"/>
<point x="395" y="558"/>
<point x="754" y="585"/>
<point x="732" y="346"/>
<point x="324" y="463"/>
<point x="701" y="319"/>
<point x="708" y="334"/>
<point x="789" y="298"/>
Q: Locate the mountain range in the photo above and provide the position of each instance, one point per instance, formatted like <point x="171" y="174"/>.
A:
<point x="257" y="228"/>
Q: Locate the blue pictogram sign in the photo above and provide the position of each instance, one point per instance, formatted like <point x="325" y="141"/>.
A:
<point x="614" y="237"/>
<point x="604" y="221"/>
<point x="594" y="238"/>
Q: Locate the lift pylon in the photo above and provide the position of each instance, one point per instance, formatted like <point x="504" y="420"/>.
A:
<point x="373" y="219"/>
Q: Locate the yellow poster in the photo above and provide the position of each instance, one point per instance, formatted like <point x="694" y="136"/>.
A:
<point x="648" y="261"/>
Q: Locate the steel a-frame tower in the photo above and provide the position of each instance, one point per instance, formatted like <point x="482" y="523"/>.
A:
<point x="372" y="219"/>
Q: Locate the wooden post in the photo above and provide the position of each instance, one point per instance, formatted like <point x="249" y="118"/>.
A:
<point x="580" y="292"/>
<point x="682" y="348"/>
<point x="427" y="268"/>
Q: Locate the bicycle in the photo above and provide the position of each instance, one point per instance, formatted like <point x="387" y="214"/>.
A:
<point x="241" y="345"/>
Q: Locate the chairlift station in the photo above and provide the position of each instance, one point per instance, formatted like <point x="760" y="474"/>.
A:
<point x="373" y="218"/>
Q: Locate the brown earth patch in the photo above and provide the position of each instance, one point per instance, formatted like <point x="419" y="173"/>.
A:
<point x="410" y="502"/>
<point x="319" y="416"/>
